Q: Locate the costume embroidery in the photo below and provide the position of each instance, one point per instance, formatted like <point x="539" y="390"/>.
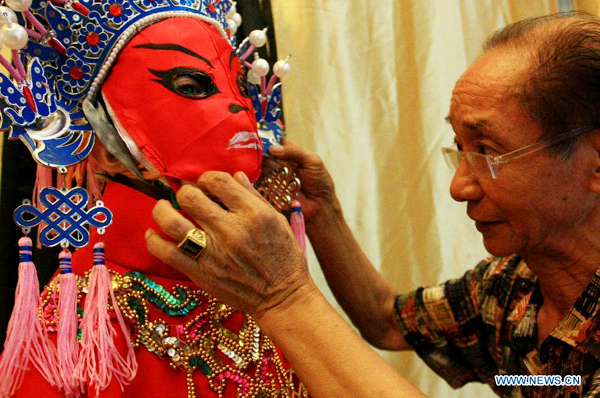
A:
<point x="200" y="342"/>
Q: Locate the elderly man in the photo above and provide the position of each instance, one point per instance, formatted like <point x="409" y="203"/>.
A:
<point x="526" y="117"/>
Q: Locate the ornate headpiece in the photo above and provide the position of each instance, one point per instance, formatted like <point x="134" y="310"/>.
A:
<point x="62" y="52"/>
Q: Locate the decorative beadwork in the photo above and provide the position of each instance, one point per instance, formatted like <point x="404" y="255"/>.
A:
<point x="279" y="186"/>
<point x="201" y="342"/>
<point x="64" y="217"/>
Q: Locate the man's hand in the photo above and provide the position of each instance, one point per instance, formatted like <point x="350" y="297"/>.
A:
<point x="252" y="260"/>
<point x="317" y="185"/>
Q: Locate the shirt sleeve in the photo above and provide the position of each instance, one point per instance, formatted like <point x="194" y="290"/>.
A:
<point x="445" y="327"/>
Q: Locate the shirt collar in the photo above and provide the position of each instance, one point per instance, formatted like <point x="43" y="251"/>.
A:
<point x="579" y="328"/>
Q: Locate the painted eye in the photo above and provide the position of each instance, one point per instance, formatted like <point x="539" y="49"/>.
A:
<point x="194" y="85"/>
<point x="242" y="83"/>
<point x="187" y="82"/>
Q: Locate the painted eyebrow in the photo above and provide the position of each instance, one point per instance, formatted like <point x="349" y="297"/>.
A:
<point x="175" y="47"/>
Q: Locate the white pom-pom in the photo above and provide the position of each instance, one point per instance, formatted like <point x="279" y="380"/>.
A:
<point x="7" y="16"/>
<point x="253" y="77"/>
<point x="237" y="18"/>
<point x="19" y="5"/>
<point x="232" y="26"/>
<point x="282" y="68"/>
<point x="13" y="36"/>
<point x="232" y="10"/>
<point x="260" y="67"/>
<point x="258" y="38"/>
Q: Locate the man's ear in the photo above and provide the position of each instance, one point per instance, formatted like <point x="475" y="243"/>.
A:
<point x="105" y="161"/>
<point x="594" y="181"/>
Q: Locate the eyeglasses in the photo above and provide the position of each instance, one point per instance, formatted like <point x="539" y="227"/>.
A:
<point x="486" y="166"/>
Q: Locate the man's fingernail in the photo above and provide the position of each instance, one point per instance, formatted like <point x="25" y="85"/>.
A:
<point x="244" y="178"/>
<point x="148" y="233"/>
<point x="276" y="150"/>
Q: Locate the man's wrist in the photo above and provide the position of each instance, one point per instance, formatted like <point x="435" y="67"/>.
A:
<point x="327" y="214"/>
<point x="287" y="310"/>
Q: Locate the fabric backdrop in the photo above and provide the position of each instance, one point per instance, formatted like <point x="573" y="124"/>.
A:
<point x="370" y="87"/>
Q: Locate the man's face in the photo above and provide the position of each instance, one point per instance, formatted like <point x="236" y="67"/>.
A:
<point x="537" y="200"/>
<point x="179" y="92"/>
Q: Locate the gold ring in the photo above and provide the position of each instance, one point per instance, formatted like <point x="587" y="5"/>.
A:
<point x="193" y="243"/>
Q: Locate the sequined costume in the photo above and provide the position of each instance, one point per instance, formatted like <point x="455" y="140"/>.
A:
<point x="163" y="86"/>
<point x="186" y="343"/>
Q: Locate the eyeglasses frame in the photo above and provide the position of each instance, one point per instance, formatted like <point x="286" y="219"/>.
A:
<point x="494" y="161"/>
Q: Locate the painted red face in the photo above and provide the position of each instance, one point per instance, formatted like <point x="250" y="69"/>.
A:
<point x="179" y="92"/>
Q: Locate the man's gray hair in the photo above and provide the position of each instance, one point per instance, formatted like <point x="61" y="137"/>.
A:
<point x="561" y="88"/>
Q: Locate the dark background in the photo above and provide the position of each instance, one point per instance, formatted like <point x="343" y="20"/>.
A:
<point x="18" y="177"/>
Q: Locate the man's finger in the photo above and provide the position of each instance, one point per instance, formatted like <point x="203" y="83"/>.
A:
<point x="233" y="195"/>
<point x="170" y="221"/>
<point x="241" y="178"/>
<point x="199" y="207"/>
<point x="168" y="253"/>
<point x="295" y="153"/>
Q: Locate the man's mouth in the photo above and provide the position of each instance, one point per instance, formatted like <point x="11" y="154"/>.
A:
<point x="483" y="226"/>
<point x="245" y="139"/>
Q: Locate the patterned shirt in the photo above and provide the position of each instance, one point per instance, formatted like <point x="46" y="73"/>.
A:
<point x="485" y="324"/>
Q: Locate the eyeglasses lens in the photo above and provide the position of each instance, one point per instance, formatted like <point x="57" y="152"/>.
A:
<point x="478" y="164"/>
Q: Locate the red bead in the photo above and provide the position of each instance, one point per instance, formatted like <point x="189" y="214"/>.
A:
<point x="55" y="44"/>
<point x="80" y="8"/>
<point x="211" y="8"/>
<point x="115" y="10"/>
<point x="76" y="73"/>
<point x="92" y="38"/>
<point x="29" y="98"/>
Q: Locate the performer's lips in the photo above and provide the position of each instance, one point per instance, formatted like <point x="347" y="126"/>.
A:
<point x="244" y="139"/>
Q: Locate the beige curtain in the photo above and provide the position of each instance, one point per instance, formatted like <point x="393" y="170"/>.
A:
<point x="591" y="6"/>
<point x="370" y="87"/>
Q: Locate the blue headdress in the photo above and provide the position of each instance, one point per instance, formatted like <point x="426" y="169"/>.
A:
<point x="71" y="47"/>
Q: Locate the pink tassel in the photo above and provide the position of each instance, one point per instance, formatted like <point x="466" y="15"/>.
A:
<point x="61" y="180"/>
<point x="297" y="224"/>
<point x="99" y="359"/>
<point x="27" y="337"/>
<point x="67" y="327"/>
<point x="43" y="179"/>
<point x="92" y="183"/>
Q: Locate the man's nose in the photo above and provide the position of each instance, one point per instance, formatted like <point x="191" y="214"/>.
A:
<point x="465" y="186"/>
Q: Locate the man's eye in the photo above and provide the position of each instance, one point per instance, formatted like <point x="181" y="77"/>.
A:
<point x="194" y="85"/>
<point x="242" y="83"/>
<point x="187" y="82"/>
<point x="486" y="150"/>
